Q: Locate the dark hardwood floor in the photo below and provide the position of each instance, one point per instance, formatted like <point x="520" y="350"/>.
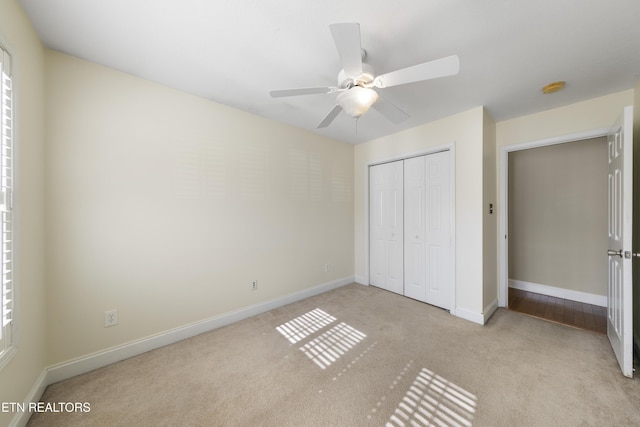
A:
<point x="566" y="312"/>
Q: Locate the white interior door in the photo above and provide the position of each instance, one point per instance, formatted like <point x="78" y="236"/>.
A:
<point x="415" y="262"/>
<point x="620" y="198"/>
<point x="438" y="230"/>
<point x="386" y="218"/>
<point x="377" y="242"/>
<point x="428" y="229"/>
<point x="395" y="227"/>
<point x="410" y="228"/>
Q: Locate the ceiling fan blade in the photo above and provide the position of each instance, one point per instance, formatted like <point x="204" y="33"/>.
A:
<point x="302" y="91"/>
<point x="347" y="40"/>
<point x="448" y="66"/>
<point x="390" y="111"/>
<point x="332" y="115"/>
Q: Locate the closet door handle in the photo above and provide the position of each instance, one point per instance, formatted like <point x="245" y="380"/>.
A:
<point x="611" y="252"/>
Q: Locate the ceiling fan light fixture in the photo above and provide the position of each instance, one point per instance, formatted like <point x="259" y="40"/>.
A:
<point x="553" y="87"/>
<point x="357" y="100"/>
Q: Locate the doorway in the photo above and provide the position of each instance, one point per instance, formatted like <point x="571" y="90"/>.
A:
<point x="619" y="230"/>
<point x="554" y="200"/>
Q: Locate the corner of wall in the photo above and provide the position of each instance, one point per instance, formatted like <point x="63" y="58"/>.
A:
<point x="490" y="211"/>
<point x="21" y="376"/>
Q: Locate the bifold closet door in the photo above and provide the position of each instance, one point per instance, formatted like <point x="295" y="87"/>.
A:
<point x="386" y="217"/>
<point x="415" y="266"/>
<point x="427" y="238"/>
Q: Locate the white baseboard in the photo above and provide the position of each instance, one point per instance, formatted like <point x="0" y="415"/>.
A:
<point x="472" y="316"/>
<point x="106" y="357"/>
<point x="362" y="280"/>
<point x="21" y="418"/>
<point x="587" y="298"/>
<point x="489" y="310"/>
<point x="469" y="315"/>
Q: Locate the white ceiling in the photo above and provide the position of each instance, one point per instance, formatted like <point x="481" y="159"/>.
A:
<point x="235" y="52"/>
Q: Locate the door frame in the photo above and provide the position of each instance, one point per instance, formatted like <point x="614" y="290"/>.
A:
<point x="451" y="147"/>
<point x="503" y="203"/>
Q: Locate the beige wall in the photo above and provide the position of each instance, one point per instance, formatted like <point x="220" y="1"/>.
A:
<point x="166" y="206"/>
<point x="19" y="376"/>
<point x="489" y="216"/>
<point x="583" y="116"/>
<point x="466" y="131"/>
<point x="558" y="216"/>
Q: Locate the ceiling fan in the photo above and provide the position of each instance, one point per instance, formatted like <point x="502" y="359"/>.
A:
<point x="357" y="79"/>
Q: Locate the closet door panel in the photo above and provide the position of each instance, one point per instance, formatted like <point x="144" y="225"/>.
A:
<point x="386" y="221"/>
<point x="414" y="235"/>
<point x="395" y="227"/>
<point x="377" y="214"/>
<point x="410" y="228"/>
<point x="438" y="230"/>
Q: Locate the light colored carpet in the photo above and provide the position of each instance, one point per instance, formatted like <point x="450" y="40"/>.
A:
<point x="360" y="356"/>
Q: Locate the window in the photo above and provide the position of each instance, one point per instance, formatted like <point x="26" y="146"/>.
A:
<point x="7" y="290"/>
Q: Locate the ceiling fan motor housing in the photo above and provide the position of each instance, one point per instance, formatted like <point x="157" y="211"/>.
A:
<point x="365" y="79"/>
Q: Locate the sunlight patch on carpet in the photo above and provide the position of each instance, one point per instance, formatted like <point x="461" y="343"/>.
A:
<point x="434" y="401"/>
<point x="333" y="344"/>
<point x="302" y="326"/>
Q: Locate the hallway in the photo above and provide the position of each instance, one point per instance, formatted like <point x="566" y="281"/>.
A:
<point x="558" y="310"/>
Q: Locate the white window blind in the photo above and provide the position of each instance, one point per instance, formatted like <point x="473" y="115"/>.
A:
<point x="6" y="201"/>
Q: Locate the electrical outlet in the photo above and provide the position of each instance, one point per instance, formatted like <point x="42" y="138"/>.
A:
<point x="326" y="268"/>
<point x="110" y="318"/>
<point x="253" y="285"/>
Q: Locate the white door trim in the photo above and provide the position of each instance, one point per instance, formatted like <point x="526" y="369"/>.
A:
<point x="503" y="251"/>
<point x="451" y="147"/>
